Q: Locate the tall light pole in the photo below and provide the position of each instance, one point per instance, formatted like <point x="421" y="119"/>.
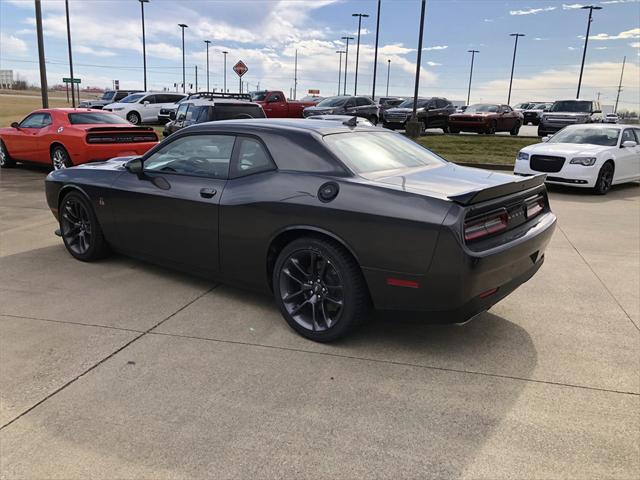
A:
<point x="388" y="72"/>
<point x="346" y="61"/>
<point x="44" y="89"/>
<point x="295" y="76"/>
<point x="473" y="55"/>
<point x="375" y="55"/>
<point x="184" y="76"/>
<point x="591" y="8"/>
<point x="224" y="52"/>
<point x="513" y="63"/>
<point x="207" y="42"/>
<point x="360" y="17"/>
<point x="414" y="126"/>
<point x="73" y="95"/>
<point x="144" y="44"/>
<point x="340" y="69"/>
<point x="624" y="60"/>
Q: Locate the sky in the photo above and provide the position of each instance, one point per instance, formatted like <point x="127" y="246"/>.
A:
<point x="107" y="45"/>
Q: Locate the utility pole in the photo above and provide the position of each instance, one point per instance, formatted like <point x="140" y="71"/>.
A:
<point x="339" y="69"/>
<point x="44" y="89"/>
<point x="388" y="72"/>
<point x="624" y="60"/>
<point x="346" y="62"/>
<point x="513" y="63"/>
<point x="73" y="92"/>
<point x="144" y="45"/>
<point x="375" y="55"/>
<point x="225" y="71"/>
<point x="184" y="75"/>
<point x="591" y="8"/>
<point x="473" y="54"/>
<point x="360" y="16"/>
<point x="415" y="127"/>
<point x="295" y="76"/>
<point x="196" y="78"/>
<point x="207" y="42"/>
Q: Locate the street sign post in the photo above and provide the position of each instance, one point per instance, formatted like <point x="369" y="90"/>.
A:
<point x="240" y="68"/>
<point x="69" y="80"/>
<point x="74" y="81"/>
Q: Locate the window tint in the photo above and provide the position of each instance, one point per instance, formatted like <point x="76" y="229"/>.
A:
<point x="197" y="155"/>
<point x="628" y="136"/>
<point x="120" y="96"/>
<point x="181" y="113"/>
<point x="275" y="97"/>
<point x="637" y="132"/>
<point x="440" y="103"/>
<point x="46" y="120"/>
<point x="350" y="103"/>
<point x="35" y="120"/>
<point x="362" y="101"/>
<point x="236" y="111"/>
<point x="507" y="108"/>
<point x="95" y="118"/>
<point x="252" y="158"/>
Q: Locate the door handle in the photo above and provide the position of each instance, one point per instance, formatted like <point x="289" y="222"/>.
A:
<point x="208" y="192"/>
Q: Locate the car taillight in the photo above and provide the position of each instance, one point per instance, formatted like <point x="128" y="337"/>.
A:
<point x="534" y="207"/>
<point x="487" y="225"/>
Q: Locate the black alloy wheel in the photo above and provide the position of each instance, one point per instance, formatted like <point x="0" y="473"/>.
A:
<point x="81" y="233"/>
<point x="515" y="130"/>
<point x="605" y="179"/>
<point x="5" y="160"/>
<point x="319" y="289"/>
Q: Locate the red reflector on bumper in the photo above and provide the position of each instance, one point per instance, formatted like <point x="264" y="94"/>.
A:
<point x="398" y="282"/>
<point x="488" y="293"/>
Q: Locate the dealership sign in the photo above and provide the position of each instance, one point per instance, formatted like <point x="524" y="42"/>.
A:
<point x="240" y="68"/>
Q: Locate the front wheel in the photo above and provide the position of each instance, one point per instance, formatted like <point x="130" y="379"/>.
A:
<point x="515" y="130"/>
<point x="491" y="129"/>
<point x="454" y="130"/>
<point x="5" y="160"/>
<point x="80" y="230"/>
<point x="319" y="289"/>
<point x="60" y="158"/>
<point x="605" y="179"/>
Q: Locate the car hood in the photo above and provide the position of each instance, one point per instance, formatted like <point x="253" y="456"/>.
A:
<point x="447" y="181"/>
<point x="565" y="149"/>
<point x="316" y="109"/>
<point x="468" y="114"/>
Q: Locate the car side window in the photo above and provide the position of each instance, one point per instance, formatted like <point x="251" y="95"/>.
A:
<point x="35" y="120"/>
<point x="628" y="136"/>
<point x="181" y="113"/>
<point x="507" y="108"/>
<point x="361" y="101"/>
<point x="350" y="103"/>
<point x="252" y="157"/>
<point x="637" y="132"/>
<point x="120" y="96"/>
<point x="46" y="120"/>
<point x="276" y="97"/>
<point x="194" y="155"/>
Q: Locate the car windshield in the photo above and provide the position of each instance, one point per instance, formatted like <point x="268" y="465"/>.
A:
<point x="132" y="98"/>
<point x="258" y="96"/>
<point x="571" y="106"/>
<point x="422" y="102"/>
<point x="333" y="102"/>
<point x="108" y="95"/>
<point x="522" y="105"/>
<point x="95" y="118"/>
<point x="606" y="137"/>
<point x="368" y="152"/>
<point x="538" y="106"/>
<point x="482" y="108"/>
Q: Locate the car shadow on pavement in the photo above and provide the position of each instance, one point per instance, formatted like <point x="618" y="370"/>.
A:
<point x="622" y="191"/>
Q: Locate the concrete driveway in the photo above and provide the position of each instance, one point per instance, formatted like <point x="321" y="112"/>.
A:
<point x="119" y="369"/>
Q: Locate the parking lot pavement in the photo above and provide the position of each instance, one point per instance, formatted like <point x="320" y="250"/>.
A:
<point x="119" y="369"/>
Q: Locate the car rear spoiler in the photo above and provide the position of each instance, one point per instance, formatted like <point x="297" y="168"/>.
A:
<point x="122" y="129"/>
<point x="519" y="184"/>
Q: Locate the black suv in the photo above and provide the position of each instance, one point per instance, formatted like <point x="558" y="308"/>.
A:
<point x="212" y="107"/>
<point x="346" y="105"/>
<point x="433" y="112"/>
<point x="109" y="96"/>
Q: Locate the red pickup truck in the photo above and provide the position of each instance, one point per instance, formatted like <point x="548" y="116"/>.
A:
<point x="275" y="104"/>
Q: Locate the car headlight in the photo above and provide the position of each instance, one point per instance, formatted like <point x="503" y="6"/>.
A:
<point x="117" y="109"/>
<point x="523" y="156"/>
<point x="586" y="161"/>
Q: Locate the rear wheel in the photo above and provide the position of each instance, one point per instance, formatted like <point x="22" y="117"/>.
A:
<point x="5" y="160"/>
<point x="605" y="179"/>
<point x="373" y="119"/>
<point x="134" y="118"/>
<point x="454" y="130"/>
<point x="60" y="158"/>
<point x="319" y="289"/>
<point x="515" y="130"/>
<point x="81" y="232"/>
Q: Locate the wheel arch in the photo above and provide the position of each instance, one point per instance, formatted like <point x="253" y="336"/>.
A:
<point x="288" y="234"/>
<point x="57" y="143"/>
<point x="72" y="188"/>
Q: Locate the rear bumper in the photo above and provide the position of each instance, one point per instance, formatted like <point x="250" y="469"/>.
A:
<point x="461" y="283"/>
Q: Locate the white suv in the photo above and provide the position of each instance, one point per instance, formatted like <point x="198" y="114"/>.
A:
<point x="143" y="107"/>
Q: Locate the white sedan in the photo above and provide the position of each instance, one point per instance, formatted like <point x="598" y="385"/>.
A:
<point x="593" y="156"/>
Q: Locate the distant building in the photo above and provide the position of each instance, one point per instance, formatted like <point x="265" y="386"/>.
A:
<point x="6" y="79"/>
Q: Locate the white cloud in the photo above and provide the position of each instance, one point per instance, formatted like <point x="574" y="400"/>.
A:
<point x="611" y="2"/>
<point x="635" y="45"/>
<point x="602" y="48"/>
<point x="573" y="6"/>
<point x="572" y="48"/>
<point x="436" y="47"/>
<point x="433" y="64"/>
<point x="538" y="39"/>
<point x="532" y="11"/>
<point x="395" y="49"/>
<point x="627" y="34"/>
<point x="488" y="20"/>
<point x="11" y="44"/>
<point x="91" y="51"/>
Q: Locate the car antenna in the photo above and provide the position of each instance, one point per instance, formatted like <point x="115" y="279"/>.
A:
<point x="352" y="122"/>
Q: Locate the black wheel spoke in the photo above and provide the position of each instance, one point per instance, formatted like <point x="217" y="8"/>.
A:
<point x="333" y="300"/>
<point x="323" y="310"/>
<point x="299" y="307"/>
<point x="313" y="317"/>
<point x="296" y="264"/>
<point x="289" y="296"/>
<point x="292" y="277"/>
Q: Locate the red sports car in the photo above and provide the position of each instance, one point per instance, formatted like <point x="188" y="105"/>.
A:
<point x="64" y="137"/>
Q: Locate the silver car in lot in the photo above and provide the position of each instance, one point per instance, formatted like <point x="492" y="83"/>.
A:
<point x="359" y="106"/>
<point x="568" y="112"/>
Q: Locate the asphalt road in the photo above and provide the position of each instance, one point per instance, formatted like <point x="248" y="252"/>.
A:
<point x="119" y="369"/>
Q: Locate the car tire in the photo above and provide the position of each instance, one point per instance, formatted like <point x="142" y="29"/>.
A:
<point x="79" y="228"/>
<point x="454" y="130"/>
<point x="5" y="160"/>
<point x="605" y="179"/>
<point x="541" y="133"/>
<point x="134" y="118"/>
<point x="373" y="119"/>
<point x="60" y="158"/>
<point x="388" y="125"/>
<point x="491" y="129"/>
<point x="515" y="130"/>
<point x="446" y="129"/>
<point x="338" y="289"/>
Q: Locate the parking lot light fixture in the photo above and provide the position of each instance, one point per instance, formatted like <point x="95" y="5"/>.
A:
<point x="415" y="128"/>
<point x="144" y="45"/>
<point x="360" y="17"/>
<point x="184" y="75"/>
<point x="346" y="62"/>
<point x="388" y="72"/>
<point x="375" y="54"/>
<point x="591" y="8"/>
<point x="340" y="69"/>
<point x="224" y="52"/>
<point x="513" y="63"/>
<point x="73" y="95"/>
<point x="473" y="56"/>
<point x="208" y="42"/>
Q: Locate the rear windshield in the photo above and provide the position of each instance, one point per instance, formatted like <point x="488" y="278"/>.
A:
<point x="368" y="152"/>
<point x="571" y="106"/>
<point x="237" y="111"/>
<point x="95" y="118"/>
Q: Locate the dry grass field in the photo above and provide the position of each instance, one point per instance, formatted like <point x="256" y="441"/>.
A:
<point x="14" y="107"/>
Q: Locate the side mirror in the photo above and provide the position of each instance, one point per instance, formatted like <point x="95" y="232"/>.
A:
<point x="134" y="166"/>
<point x="546" y="139"/>
<point x="172" y="115"/>
<point x="15" y="125"/>
<point x="628" y="144"/>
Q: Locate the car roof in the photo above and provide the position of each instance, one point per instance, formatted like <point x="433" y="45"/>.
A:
<point x="71" y="110"/>
<point x="601" y="125"/>
<point x="213" y="101"/>
<point x="321" y="127"/>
